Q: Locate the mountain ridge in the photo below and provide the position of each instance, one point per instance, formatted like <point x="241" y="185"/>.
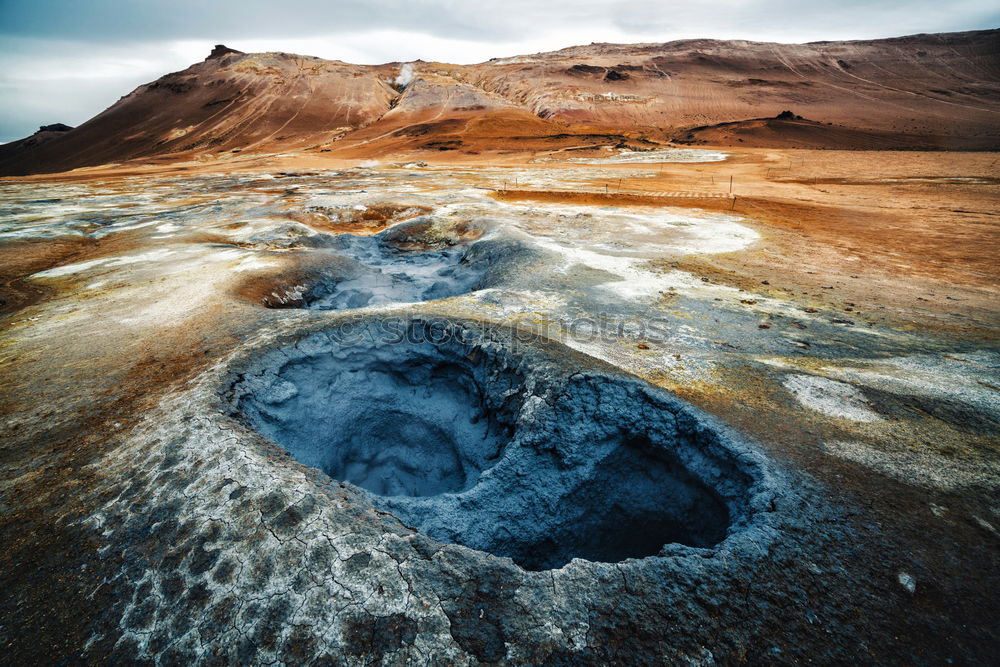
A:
<point x="930" y="91"/>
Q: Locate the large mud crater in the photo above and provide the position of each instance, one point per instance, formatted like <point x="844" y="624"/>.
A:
<point x="473" y="443"/>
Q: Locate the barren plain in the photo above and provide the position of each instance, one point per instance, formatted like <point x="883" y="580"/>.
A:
<point x="603" y="398"/>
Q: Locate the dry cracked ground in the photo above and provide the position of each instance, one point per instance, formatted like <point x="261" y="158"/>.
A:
<point x="290" y="411"/>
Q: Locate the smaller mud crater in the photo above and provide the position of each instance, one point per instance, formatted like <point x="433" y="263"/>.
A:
<point x="411" y="262"/>
<point x="378" y="273"/>
<point x="359" y="219"/>
<point x="449" y="430"/>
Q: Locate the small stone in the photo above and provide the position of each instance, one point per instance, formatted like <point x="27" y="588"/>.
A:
<point x="983" y="523"/>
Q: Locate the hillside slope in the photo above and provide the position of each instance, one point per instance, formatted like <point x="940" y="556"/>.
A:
<point x="229" y="101"/>
<point x="943" y="84"/>
<point x="923" y="91"/>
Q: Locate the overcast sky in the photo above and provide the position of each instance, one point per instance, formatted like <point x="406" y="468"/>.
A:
<point x="66" y="60"/>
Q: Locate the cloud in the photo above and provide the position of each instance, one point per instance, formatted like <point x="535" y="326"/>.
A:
<point x="794" y="21"/>
<point x="49" y="81"/>
<point x="179" y="19"/>
<point x="486" y="20"/>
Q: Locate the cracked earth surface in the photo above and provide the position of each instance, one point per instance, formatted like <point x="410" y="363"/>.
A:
<point x="148" y="520"/>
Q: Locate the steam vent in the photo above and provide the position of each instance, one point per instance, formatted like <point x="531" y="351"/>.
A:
<point x="679" y="353"/>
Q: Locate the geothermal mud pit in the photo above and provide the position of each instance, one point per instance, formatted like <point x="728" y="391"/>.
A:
<point x="392" y="267"/>
<point x="370" y="472"/>
<point x="471" y="447"/>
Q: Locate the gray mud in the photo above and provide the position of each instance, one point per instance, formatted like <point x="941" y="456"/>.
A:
<point x="460" y="438"/>
<point x="397" y="266"/>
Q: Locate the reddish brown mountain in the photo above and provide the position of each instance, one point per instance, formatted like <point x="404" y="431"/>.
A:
<point x="232" y="100"/>
<point x="923" y="91"/>
<point x="943" y="84"/>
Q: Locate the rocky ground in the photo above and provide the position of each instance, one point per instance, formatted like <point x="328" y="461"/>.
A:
<point x="589" y="409"/>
